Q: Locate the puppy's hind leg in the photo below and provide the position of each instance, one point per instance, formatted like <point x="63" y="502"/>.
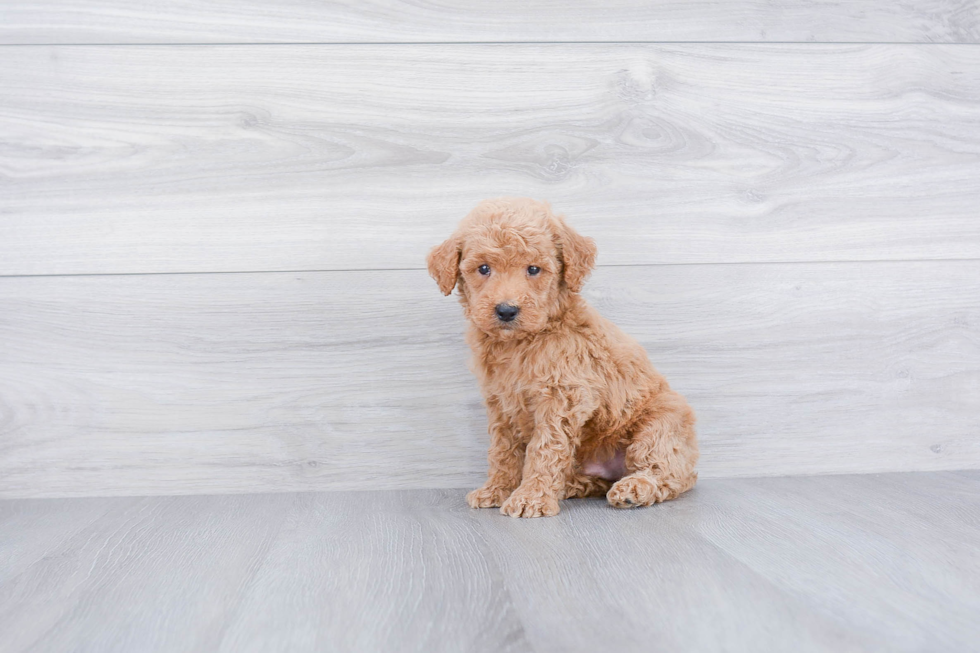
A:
<point x="581" y="485"/>
<point x="660" y="458"/>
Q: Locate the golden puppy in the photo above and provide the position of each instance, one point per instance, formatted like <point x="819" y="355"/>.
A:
<point x="574" y="405"/>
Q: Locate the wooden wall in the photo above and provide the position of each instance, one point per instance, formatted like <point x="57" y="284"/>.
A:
<point x="213" y="223"/>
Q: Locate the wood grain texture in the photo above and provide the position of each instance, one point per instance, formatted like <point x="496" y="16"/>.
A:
<point x="251" y="21"/>
<point x="179" y="384"/>
<point x="189" y="159"/>
<point x="840" y="563"/>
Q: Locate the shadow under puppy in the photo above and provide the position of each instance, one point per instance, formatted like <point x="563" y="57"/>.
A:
<point x="575" y="408"/>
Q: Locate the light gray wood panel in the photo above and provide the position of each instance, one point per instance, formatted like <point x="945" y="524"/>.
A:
<point x="178" y="159"/>
<point x="649" y="577"/>
<point x="176" y="384"/>
<point x="937" y="534"/>
<point x="834" y="563"/>
<point x="101" y="580"/>
<point x="423" y="571"/>
<point x="813" y="564"/>
<point x="172" y="21"/>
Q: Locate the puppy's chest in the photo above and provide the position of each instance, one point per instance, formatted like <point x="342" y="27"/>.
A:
<point x="510" y="370"/>
<point x="509" y="375"/>
<point x="509" y="383"/>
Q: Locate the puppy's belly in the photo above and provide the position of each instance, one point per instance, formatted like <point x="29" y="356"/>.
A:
<point x="610" y="469"/>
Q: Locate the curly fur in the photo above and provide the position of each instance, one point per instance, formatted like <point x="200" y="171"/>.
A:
<point x="573" y="403"/>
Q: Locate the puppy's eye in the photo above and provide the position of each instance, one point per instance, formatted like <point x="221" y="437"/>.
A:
<point x="533" y="270"/>
<point x="484" y="269"/>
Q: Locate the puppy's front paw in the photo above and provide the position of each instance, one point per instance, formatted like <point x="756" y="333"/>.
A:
<point x="633" y="491"/>
<point x="488" y="496"/>
<point x="527" y="504"/>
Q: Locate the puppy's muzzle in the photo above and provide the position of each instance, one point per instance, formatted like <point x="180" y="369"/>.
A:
<point x="506" y="312"/>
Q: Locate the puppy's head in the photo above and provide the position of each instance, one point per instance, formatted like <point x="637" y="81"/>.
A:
<point x="515" y="262"/>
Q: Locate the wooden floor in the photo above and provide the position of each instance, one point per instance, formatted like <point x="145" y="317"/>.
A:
<point x="885" y="562"/>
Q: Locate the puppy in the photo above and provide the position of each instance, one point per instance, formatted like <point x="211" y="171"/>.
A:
<point x="574" y="406"/>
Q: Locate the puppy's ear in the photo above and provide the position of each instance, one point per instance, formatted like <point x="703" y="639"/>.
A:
<point x="443" y="263"/>
<point x="578" y="255"/>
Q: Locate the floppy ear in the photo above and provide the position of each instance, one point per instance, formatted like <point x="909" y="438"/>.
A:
<point x="578" y="256"/>
<point x="443" y="263"/>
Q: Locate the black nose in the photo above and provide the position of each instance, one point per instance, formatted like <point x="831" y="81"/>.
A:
<point x="506" y="312"/>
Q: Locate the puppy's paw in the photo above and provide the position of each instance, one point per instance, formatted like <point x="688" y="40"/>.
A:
<point x="488" y="496"/>
<point x="526" y="504"/>
<point x="633" y="491"/>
